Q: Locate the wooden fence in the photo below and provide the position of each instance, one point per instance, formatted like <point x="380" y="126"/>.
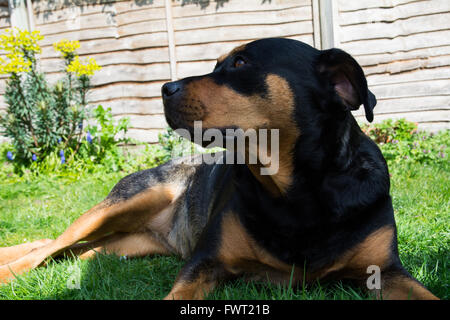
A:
<point x="403" y="46"/>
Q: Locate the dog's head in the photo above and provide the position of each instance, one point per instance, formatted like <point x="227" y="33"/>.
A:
<point x="270" y="84"/>
<point x="281" y="85"/>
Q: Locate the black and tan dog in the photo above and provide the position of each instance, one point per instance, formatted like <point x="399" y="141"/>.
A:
<point x="326" y="213"/>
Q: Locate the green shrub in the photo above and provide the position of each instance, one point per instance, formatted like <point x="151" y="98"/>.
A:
<point x="40" y="117"/>
<point x="401" y="142"/>
<point x="101" y="145"/>
<point x="99" y="150"/>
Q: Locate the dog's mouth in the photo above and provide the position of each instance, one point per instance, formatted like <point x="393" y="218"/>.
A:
<point x="194" y="130"/>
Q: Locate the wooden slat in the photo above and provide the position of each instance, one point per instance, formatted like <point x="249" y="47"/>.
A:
<point x="382" y="30"/>
<point x="133" y="106"/>
<point x="145" y="41"/>
<point x="78" y="22"/>
<point x="306" y="38"/>
<point x="425" y="53"/>
<point x="387" y="107"/>
<point x="209" y="51"/>
<point x="138" y="73"/>
<point x="5" y="22"/>
<point x="417" y="75"/>
<point x="145" y="56"/>
<point x="136" y="6"/>
<point x="413" y="89"/>
<point x="70" y="12"/>
<point x="48" y="7"/>
<point x="434" y="126"/>
<point x="127" y="90"/>
<point x="100" y="29"/>
<point x="403" y="43"/>
<point x="94" y="34"/>
<point x="412" y="104"/>
<point x="237" y="7"/>
<point x="345" y="5"/>
<point x="250" y="18"/>
<point x="413" y="9"/>
<point x="235" y="33"/>
<point x="143" y="14"/>
<point x="143" y="27"/>
<point x="154" y="121"/>
<point x="124" y="73"/>
<point x="439" y="116"/>
<point x="408" y="65"/>
<point x="150" y="135"/>
<point x="188" y="69"/>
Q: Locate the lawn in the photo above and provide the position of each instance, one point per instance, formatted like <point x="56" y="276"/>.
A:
<point x="44" y="207"/>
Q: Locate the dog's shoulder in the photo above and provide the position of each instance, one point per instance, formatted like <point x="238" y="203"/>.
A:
<point x="182" y="171"/>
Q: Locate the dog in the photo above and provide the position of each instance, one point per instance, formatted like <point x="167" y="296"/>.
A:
<point x="325" y="214"/>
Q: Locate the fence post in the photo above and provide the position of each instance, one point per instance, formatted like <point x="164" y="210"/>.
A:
<point x="329" y="35"/>
<point x="171" y="40"/>
<point x="21" y="13"/>
<point x="316" y="24"/>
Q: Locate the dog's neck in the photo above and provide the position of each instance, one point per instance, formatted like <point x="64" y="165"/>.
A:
<point x="278" y="183"/>
<point x="311" y="155"/>
<point x="329" y="145"/>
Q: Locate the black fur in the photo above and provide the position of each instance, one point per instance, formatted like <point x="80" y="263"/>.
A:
<point x="340" y="189"/>
<point x="340" y="181"/>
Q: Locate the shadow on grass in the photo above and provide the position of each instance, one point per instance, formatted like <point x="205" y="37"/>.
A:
<point x="109" y="277"/>
<point x="431" y="269"/>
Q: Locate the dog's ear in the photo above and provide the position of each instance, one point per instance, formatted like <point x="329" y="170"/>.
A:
<point x="347" y="77"/>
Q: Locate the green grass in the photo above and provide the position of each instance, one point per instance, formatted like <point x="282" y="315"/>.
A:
<point x="44" y="207"/>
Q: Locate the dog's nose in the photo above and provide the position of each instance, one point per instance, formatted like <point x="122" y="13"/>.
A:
<point x="170" y="88"/>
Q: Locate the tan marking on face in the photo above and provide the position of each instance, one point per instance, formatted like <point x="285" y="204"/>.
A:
<point x="224" y="107"/>
<point x="223" y="57"/>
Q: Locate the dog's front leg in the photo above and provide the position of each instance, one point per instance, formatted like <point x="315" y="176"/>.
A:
<point x="128" y="216"/>
<point x="197" y="279"/>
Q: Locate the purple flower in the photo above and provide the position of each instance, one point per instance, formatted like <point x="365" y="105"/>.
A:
<point x="80" y="125"/>
<point x="34" y="157"/>
<point x="59" y="140"/>
<point x="61" y="153"/>
<point x="426" y="151"/>
<point x="9" y="155"/>
<point x="441" y="154"/>
<point x="63" y="160"/>
<point x="395" y="141"/>
<point x="89" y="137"/>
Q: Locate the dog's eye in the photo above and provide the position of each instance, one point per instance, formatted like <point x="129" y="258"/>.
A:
<point x="239" y="62"/>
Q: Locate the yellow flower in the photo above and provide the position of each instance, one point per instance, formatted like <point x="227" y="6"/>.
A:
<point x="18" y="45"/>
<point x="66" y="47"/>
<point x="16" y="40"/>
<point x="81" y="69"/>
<point x="14" y="63"/>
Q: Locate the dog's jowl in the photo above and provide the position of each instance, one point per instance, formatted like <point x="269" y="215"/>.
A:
<point x="325" y="212"/>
